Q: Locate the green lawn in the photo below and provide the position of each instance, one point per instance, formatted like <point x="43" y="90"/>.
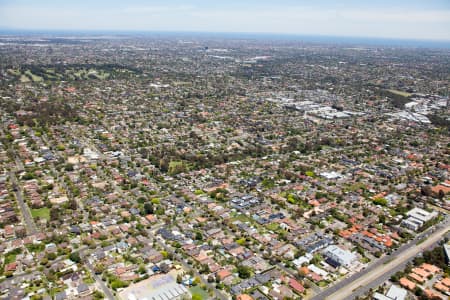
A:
<point x="10" y="258"/>
<point x="199" y="291"/>
<point x="176" y="166"/>
<point x="35" y="247"/>
<point x="241" y="217"/>
<point x="273" y="226"/>
<point x="43" y="213"/>
<point x="355" y="187"/>
<point x="33" y="77"/>
<point x="310" y="174"/>
<point x="88" y="280"/>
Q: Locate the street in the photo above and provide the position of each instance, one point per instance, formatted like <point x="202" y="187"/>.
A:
<point x="25" y="211"/>
<point x="98" y="280"/>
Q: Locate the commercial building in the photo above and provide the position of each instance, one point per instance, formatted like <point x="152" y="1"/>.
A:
<point x="160" y="287"/>
<point x="417" y="217"/>
<point x="339" y="257"/>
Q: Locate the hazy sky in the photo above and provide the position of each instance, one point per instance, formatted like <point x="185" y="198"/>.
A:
<point x="410" y="19"/>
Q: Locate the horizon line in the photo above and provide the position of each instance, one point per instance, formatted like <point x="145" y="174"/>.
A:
<point x="119" y="32"/>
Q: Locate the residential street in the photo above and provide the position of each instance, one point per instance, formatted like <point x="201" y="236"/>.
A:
<point x="24" y="209"/>
<point x="106" y="291"/>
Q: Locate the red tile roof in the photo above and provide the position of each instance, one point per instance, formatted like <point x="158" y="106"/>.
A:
<point x="297" y="286"/>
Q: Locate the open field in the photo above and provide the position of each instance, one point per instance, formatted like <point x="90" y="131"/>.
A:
<point x="43" y="213"/>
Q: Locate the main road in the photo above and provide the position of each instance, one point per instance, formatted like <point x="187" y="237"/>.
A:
<point x="383" y="269"/>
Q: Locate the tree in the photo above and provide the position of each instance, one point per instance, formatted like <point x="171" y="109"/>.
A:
<point x="198" y="236"/>
<point x="244" y="272"/>
<point x="99" y="268"/>
<point x="68" y="167"/>
<point x="75" y="257"/>
<point x="72" y="204"/>
<point x="54" y="214"/>
<point x="426" y="191"/>
<point x="205" y="269"/>
<point x="196" y="281"/>
<point x="97" y="295"/>
<point x="117" y="284"/>
<point x="51" y="256"/>
<point x="155" y="201"/>
<point x="418" y="291"/>
<point x="164" y="268"/>
<point x="380" y="201"/>
<point x="9" y="274"/>
<point x="317" y="258"/>
<point x="142" y="270"/>
<point x="44" y="261"/>
<point x="148" y="208"/>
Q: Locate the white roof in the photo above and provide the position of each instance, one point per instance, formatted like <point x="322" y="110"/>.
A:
<point x="397" y="293"/>
<point x="378" y="296"/>
<point x="421" y="214"/>
<point x="342" y="256"/>
<point x="131" y="297"/>
<point x="447" y="249"/>
<point x="303" y="259"/>
<point x="317" y="270"/>
<point x="331" y="175"/>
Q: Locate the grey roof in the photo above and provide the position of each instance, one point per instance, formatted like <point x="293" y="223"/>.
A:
<point x="61" y="296"/>
<point x="82" y="288"/>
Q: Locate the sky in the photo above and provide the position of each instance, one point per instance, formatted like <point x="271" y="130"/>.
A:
<point x="405" y="19"/>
